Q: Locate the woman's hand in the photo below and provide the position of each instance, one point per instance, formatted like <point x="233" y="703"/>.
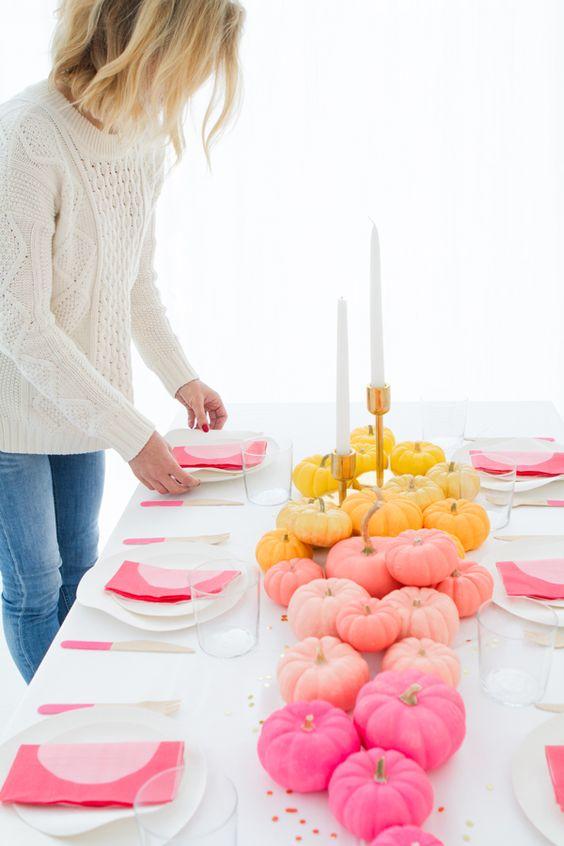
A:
<point x="202" y="403"/>
<point x="156" y="468"/>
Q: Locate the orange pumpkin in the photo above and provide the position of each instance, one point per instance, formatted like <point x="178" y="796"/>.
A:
<point x="421" y="558"/>
<point x="368" y="624"/>
<point x="419" y="489"/>
<point x="467" y="520"/>
<point x="415" y="457"/>
<point x="280" y="545"/>
<point x="387" y="519"/>
<point x="468" y="586"/>
<point x="425" y="655"/>
<point x="313" y="609"/>
<point x="458" y="481"/>
<point x="426" y="613"/>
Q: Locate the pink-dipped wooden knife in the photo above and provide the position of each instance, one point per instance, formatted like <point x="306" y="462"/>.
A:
<point x="164" y="706"/>
<point x="187" y="503"/>
<point x="189" y="539"/>
<point x="126" y="646"/>
<point x="546" y="503"/>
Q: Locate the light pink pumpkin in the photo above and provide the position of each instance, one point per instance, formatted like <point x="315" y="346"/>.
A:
<point x="413" y="712"/>
<point x="283" y="580"/>
<point x="301" y="744"/>
<point x="426" y="613"/>
<point x="425" y="655"/>
<point x="363" y="560"/>
<point x="375" y="789"/>
<point x="468" y="586"/>
<point x="368" y="624"/>
<point x="322" y="668"/>
<point x="421" y="558"/>
<point x="406" y="835"/>
<point x="313" y="609"/>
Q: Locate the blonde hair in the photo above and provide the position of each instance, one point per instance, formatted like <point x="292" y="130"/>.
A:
<point x="135" y="64"/>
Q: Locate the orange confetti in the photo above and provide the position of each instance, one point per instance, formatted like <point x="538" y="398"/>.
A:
<point x="291" y="810"/>
<point x="275" y="819"/>
<point x="284" y="618"/>
<point x="333" y="835"/>
<point x="269" y="792"/>
<point x="298" y="838"/>
<point x="315" y="831"/>
<point x="289" y="790"/>
<point x="441" y="809"/>
<point x="302" y="822"/>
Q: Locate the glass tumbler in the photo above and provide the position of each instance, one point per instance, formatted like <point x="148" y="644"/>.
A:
<point x="267" y="472"/>
<point x="515" y="648"/>
<point x="443" y="422"/>
<point x="497" y="489"/>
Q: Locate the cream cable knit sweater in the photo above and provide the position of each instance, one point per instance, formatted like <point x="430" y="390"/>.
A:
<point x="76" y="281"/>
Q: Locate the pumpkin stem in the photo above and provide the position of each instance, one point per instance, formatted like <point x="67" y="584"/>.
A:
<point x="411" y="486"/>
<point x="371" y="430"/>
<point x="417" y="541"/>
<point x="369" y="549"/>
<point x="320" y="657"/>
<point x="416" y="603"/>
<point x="453" y="507"/>
<point x="455" y="574"/>
<point x="451" y="467"/>
<point x="409" y="696"/>
<point x="422" y="652"/>
<point x="416" y="447"/>
<point x="325" y="459"/>
<point x="367" y="609"/>
<point x="308" y="723"/>
<point x="285" y="537"/>
<point x="380" y="774"/>
<point x="321" y="502"/>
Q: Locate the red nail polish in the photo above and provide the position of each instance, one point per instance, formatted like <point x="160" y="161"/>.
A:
<point x="205" y="427"/>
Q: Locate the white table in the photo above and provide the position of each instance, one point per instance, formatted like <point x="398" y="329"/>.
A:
<point x="473" y="789"/>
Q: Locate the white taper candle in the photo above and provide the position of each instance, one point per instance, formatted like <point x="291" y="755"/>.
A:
<point x="343" y="401"/>
<point x="377" y="379"/>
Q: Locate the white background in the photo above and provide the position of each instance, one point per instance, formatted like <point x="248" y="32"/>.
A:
<point x="444" y="121"/>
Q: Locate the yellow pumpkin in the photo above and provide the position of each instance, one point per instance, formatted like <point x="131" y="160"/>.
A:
<point x="459" y="481"/>
<point x="287" y="516"/>
<point x="419" y="489"/>
<point x="467" y="520"/>
<point x="312" y="476"/>
<point x="280" y="545"/>
<point x="364" y="437"/>
<point x="319" y="525"/>
<point x="388" y="519"/>
<point x="416" y="457"/>
<point x="366" y="459"/>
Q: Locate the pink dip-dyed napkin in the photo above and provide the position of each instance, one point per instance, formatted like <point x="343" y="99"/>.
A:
<point x="226" y="456"/>
<point x="542" y="579"/>
<point x="160" y="584"/>
<point x="91" y="774"/>
<point x="527" y="463"/>
<point x="555" y="760"/>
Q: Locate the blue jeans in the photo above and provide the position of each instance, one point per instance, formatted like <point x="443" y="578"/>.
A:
<point x="49" y="508"/>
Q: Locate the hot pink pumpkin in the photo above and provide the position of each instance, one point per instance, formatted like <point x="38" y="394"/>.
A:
<point x="368" y="624"/>
<point x="406" y="835"/>
<point x="468" y="586"/>
<point x="426" y="613"/>
<point x="301" y="744"/>
<point x="363" y="560"/>
<point x="421" y="558"/>
<point x="425" y="655"/>
<point x="375" y="789"/>
<point x="313" y="609"/>
<point x="322" y="668"/>
<point x="413" y="712"/>
<point x="283" y="580"/>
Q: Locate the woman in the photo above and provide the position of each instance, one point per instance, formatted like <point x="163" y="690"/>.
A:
<point x="81" y="166"/>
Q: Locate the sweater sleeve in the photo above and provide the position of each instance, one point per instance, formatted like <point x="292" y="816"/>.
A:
<point x="153" y="335"/>
<point x="29" y="335"/>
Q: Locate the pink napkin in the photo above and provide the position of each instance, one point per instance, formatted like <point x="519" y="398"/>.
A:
<point x="91" y="774"/>
<point x="159" y="584"/>
<point x="542" y="579"/>
<point x="555" y="760"/>
<point x="527" y="463"/>
<point x="227" y="456"/>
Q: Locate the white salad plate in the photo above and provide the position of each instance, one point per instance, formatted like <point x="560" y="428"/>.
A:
<point x="195" y="437"/>
<point x="495" y="445"/>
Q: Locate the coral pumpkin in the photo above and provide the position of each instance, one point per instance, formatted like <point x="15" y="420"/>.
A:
<point x="384" y="518"/>
<point x="467" y="520"/>
<point x="322" y="668"/>
<point x="426" y="613"/>
<point x="313" y="609"/>
<point x="457" y="481"/>
<point x="319" y="525"/>
<point x="363" y="560"/>
<point x="421" y="558"/>
<point x="468" y="586"/>
<point x="280" y="545"/>
<point x="406" y="835"/>
<point x="313" y="477"/>
<point x="301" y="744"/>
<point x="412" y="712"/>
<point x="421" y="490"/>
<point x="368" y="624"/>
<point x="375" y="789"/>
<point x="284" y="578"/>
<point x="425" y="655"/>
<point x="416" y="457"/>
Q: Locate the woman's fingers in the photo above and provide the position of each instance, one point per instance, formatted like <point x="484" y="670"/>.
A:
<point x="199" y="412"/>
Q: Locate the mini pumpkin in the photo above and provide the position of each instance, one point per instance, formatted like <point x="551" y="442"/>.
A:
<point x="425" y="655"/>
<point x="365" y="436"/>
<point x="312" y="476"/>
<point x="468" y="586"/>
<point x="287" y="516"/>
<point x="406" y="835"/>
<point x="426" y="613"/>
<point x="283" y="579"/>
<point x="421" y="558"/>
<point x="385" y="518"/>
<point x="421" y="490"/>
<point x="416" y="457"/>
<point x="457" y="481"/>
<point x="467" y="520"/>
<point x="457" y="542"/>
<point x="368" y="624"/>
<point x="319" y="525"/>
<point x="313" y="608"/>
<point x="363" y="560"/>
<point x="280" y="545"/>
<point x="366" y="459"/>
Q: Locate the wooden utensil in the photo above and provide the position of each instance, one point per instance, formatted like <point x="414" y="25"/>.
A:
<point x="529" y="537"/>
<point x="546" y="503"/>
<point x="214" y="539"/>
<point x="553" y="707"/>
<point x="187" y="503"/>
<point x="537" y="637"/>
<point x="166" y="707"/>
<point x="126" y="646"/>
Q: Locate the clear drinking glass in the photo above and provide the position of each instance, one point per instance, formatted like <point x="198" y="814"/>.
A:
<point x="235" y="630"/>
<point x="267" y="473"/>
<point x="213" y="824"/>
<point x="497" y="489"/>
<point x="443" y="421"/>
<point x="516" y="649"/>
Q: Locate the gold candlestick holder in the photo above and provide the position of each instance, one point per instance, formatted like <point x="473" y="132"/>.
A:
<point x="378" y="402"/>
<point x="343" y="468"/>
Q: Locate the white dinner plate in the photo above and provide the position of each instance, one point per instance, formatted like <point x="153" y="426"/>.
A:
<point x="106" y="724"/>
<point x="195" y="437"/>
<point x="91" y="591"/>
<point x="531" y="780"/>
<point x="523" y="550"/>
<point x="493" y="445"/>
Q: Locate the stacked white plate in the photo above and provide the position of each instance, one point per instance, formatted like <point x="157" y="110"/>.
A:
<point x="497" y="445"/>
<point x="195" y="437"/>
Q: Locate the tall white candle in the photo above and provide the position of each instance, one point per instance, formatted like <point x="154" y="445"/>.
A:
<point x="343" y="402"/>
<point x="376" y="324"/>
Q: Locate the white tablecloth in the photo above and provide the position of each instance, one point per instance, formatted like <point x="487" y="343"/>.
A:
<point x="474" y="802"/>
